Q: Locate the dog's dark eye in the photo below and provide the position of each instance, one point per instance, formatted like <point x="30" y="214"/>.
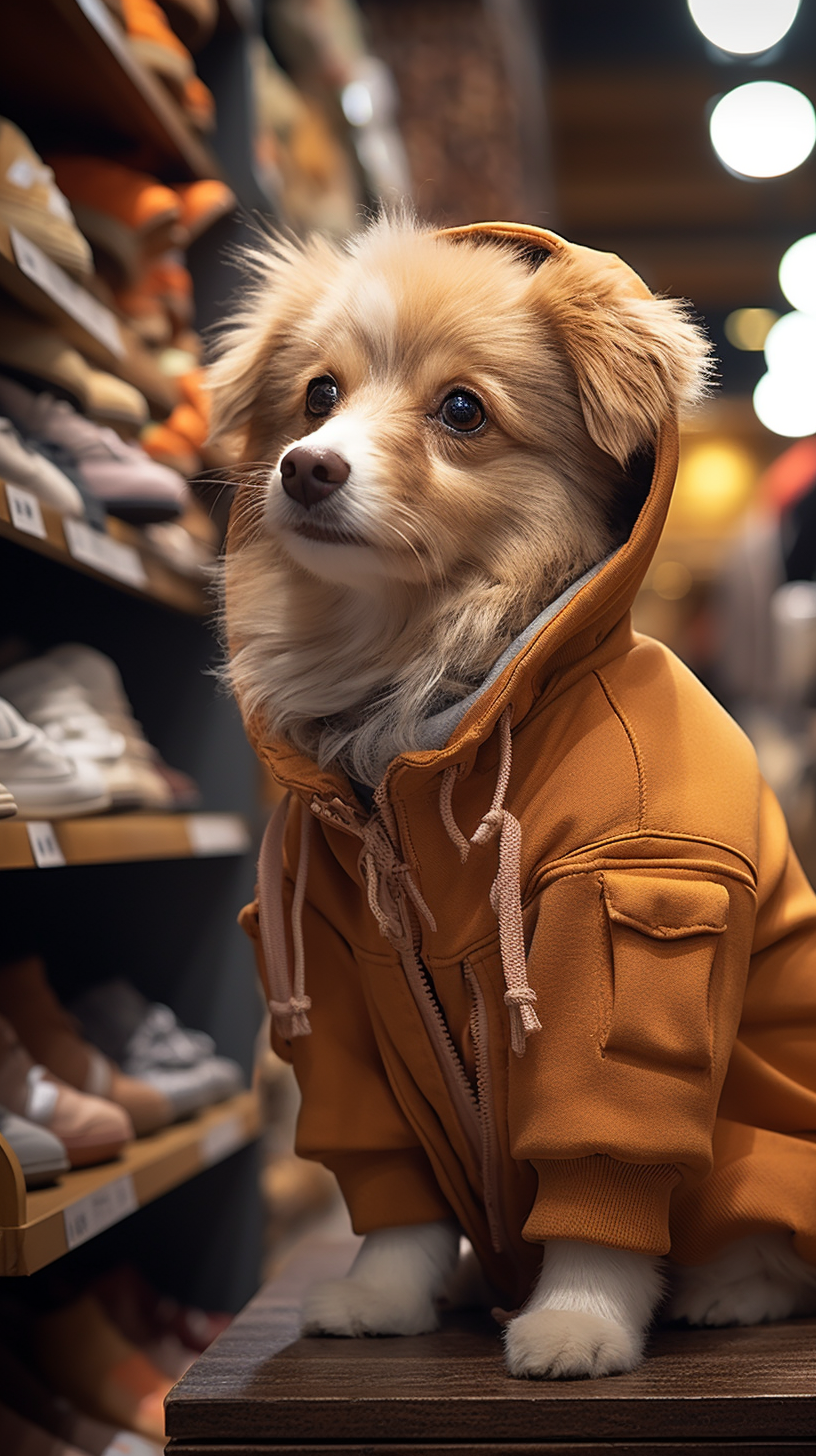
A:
<point x="322" y="395"/>
<point x="463" y="412"/>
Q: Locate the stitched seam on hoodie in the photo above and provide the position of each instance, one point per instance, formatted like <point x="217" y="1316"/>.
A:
<point x="695" y="868"/>
<point x="629" y="731"/>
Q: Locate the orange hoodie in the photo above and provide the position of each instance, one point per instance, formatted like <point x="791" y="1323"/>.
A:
<point x="561" y="983"/>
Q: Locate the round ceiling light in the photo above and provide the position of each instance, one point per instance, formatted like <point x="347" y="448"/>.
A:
<point x="743" y="27"/>
<point x="786" y="406"/>
<point x="763" y="129"/>
<point x="797" y="274"/>
<point x="790" y="348"/>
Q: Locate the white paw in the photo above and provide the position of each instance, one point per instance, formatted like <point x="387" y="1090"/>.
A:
<point x="566" y="1343"/>
<point x="747" y="1301"/>
<point x="351" y="1307"/>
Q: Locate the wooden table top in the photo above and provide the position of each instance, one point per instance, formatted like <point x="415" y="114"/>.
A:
<point x="262" y="1386"/>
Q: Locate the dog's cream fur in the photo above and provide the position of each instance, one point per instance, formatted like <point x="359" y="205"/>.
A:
<point x="443" y="547"/>
<point x="453" y="543"/>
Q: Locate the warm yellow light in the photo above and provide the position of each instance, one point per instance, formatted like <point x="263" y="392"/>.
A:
<point x="672" y="580"/>
<point x="748" y="328"/>
<point x="714" y="482"/>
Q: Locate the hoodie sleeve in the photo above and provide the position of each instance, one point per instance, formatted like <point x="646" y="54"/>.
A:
<point x="639" y="967"/>
<point x="350" y="1120"/>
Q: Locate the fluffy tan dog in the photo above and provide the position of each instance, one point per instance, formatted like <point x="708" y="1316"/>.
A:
<point x="459" y="449"/>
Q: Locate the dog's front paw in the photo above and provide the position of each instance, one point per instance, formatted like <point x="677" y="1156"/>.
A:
<point x="747" y="1301"/>
<point x="566" y="1343"/>
<point x="351" y="1307"/>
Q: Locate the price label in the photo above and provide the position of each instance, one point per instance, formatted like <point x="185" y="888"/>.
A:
<point x="217" y="834"/>
<point x="96" y="549"/>
<point x="25" y="513"/>
<point x="99" y="1210"/>
<point x="94" y="317"/>
<point x="44" y="846"/>
<point x="221" y="1140"/>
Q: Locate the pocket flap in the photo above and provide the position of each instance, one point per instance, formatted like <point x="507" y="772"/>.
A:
<point x="665" y="908"/>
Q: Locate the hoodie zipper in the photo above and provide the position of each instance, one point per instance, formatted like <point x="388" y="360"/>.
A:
<point x="484" y="1096"/>
<point x="456" y="1079"/>
<point x="474" y="1109"/>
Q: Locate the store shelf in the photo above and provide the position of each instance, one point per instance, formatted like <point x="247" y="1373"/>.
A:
<point x="86" y="84"/>
<point x="120" y="555"/>
<point x="41" y="286"/>
<point x="120" y="839"/>
<point x="40" y="1226"/>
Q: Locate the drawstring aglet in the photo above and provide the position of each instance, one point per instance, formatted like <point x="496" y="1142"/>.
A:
<point x="523" y="1019"/>
<point x="290" y="1016"/>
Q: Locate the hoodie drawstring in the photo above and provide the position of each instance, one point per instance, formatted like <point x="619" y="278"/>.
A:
<point x="505" y="893"/>
<point x="288" y="1002"/>
<point x="389" y="884"/>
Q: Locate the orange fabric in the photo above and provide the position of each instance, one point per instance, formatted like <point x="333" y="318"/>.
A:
<point x="669" y="1099"/>
<point x="138" y="201"/>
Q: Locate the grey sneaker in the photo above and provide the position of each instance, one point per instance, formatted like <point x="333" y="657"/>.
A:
<point x="147" y="1041"/>
<point x="40" y="1153"/>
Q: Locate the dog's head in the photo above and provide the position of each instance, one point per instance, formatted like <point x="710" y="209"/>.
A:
<point x="422" y="406"/>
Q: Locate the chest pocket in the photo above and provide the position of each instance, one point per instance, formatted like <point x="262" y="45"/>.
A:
<point x="664" y="934"/>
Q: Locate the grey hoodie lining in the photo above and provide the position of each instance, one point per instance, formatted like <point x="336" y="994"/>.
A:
<point x="435" y="731"/>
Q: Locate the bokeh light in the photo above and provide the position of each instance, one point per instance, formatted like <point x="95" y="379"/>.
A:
<point x="714" y="482"/>
<point x="672" y="580"/>
<point x="786" y="405"/>
<point x="744" y="27"/>
<point x="763" y="129"/>
<point x="797" y="274"/>
<point x="790" y="348"/>
<point x="748" y="328"/>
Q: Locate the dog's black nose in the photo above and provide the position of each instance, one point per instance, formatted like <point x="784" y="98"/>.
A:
<point x="310" y="475"/>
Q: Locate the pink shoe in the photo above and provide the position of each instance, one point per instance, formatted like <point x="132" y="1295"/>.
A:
<point x="91" y="1129"/>
<point x="127" y="482"/>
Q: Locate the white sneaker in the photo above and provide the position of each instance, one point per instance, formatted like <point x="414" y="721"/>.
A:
<point x="147" y="1041"/>
<point x="8" y="805"/>
<point x="119" y="474"/>
<point x="45" y="782"/>
<point x="21" y="464"/>
<point x="102" y="686"/>
<point x="57" y="703"/>
<point x="40" y="1153"/>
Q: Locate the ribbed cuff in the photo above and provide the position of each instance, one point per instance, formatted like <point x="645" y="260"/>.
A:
<point x="603" y="1201"/>
<point x="386" y="1190"/>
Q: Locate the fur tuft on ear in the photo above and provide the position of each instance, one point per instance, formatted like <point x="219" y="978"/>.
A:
<point x="284" y="277"/>
<point x="638" y="360"/>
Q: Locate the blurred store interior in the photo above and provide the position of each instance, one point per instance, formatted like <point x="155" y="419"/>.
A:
<point x="678" y="134"/>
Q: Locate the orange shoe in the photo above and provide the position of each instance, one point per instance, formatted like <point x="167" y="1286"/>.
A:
<point x="168" y="447"/>
<point x="154" y="43"/>
<point x="203" y="203"/>
<point x="161" y="303"/>
<point x="127" y="214"/>
<point x="198" y="104"/>
<point x="169" y="281"/>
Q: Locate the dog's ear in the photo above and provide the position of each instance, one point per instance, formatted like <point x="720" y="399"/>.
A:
<point x="639" y="360"/>
<point x="285" y="277"/>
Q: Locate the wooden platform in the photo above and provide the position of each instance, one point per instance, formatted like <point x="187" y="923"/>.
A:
<point x="260" y="1389"/>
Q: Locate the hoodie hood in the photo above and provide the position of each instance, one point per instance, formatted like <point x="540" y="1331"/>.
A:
<point x="564" y="641"/>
